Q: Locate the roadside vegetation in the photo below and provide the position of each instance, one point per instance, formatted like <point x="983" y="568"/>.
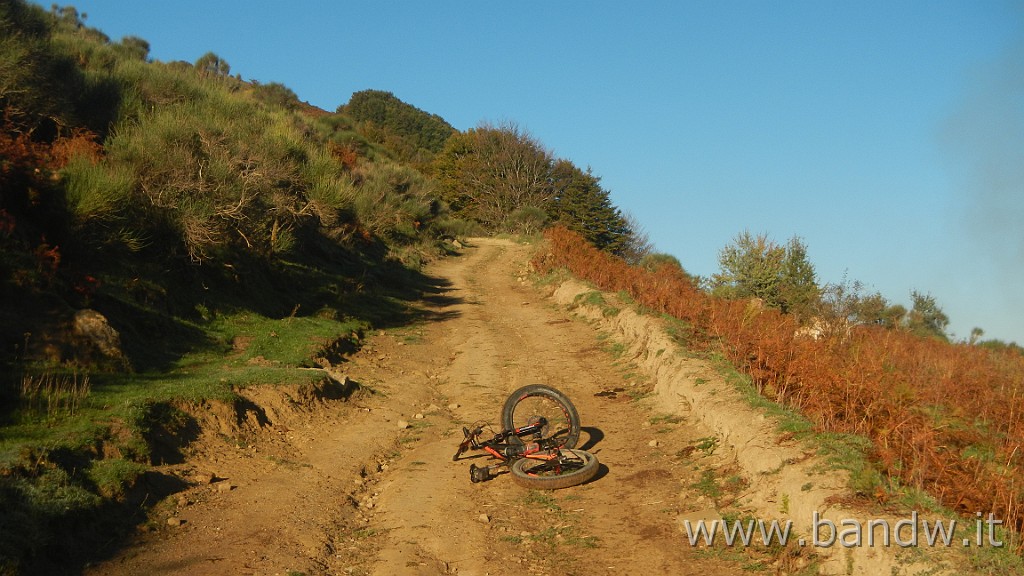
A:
<point x="171" y="234"/>
<point x="936" y="417"/>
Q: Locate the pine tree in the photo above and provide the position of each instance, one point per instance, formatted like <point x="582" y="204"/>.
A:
<point x="582" y="205"/>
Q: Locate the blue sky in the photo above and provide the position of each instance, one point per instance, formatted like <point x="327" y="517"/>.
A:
<point x="889" y="136"/>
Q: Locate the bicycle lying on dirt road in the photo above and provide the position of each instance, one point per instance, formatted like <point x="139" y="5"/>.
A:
<point x="540" y="428"/>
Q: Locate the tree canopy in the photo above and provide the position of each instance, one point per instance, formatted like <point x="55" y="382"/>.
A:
<point x="504" y="178"/>
<point x="926" y="318"/>
<point x="488" y="172"/>
<point x="212" y="65"/>
<point x="756" y="267"/>
<point x="385" y="119"/>
<point x="581" y="204"/>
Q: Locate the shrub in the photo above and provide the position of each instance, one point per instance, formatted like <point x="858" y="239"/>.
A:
<point x="945" y="418"/>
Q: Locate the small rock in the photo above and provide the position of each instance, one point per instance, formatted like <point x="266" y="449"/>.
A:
<point x="453" y="406"/>
<point x="484" y="518"/>
<point x="432" y="408"/>
<point x="175" y="521"/>
<point x="654" y="443"/>
<point x="402" y="425"/>
<point x="225" y="487"/>
<point x="419" y="416"/>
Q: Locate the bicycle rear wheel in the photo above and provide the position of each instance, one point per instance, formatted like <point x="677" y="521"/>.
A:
<point x="530" y="403"/>
<point x="571" y="468"/>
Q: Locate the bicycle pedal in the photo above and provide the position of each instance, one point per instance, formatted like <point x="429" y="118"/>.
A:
<point x="479" y="473"/>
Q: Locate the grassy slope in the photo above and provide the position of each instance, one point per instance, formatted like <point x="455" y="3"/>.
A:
<point x="232" y="239"/>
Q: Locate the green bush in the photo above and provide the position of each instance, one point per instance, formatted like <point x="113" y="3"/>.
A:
<point x="395" y="201"/>
<point x="96" y="191"/>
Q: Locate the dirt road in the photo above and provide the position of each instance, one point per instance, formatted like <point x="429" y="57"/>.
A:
<point x="368" y="485"/>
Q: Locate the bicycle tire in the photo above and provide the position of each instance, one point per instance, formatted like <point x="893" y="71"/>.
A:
<point x="521" y="472"/>
<point x="567" y="432"/>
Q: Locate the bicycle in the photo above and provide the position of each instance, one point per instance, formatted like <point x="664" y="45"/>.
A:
<point x="540" y="428"/>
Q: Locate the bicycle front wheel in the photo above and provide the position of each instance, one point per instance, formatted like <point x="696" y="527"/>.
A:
<point x="529" y="404"/>
<point x="572" y="467"/>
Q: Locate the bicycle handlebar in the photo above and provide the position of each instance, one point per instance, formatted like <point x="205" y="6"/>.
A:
<point x="468" y="442"/>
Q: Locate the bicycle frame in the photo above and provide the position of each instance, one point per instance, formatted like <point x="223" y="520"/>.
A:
<point x="506" y="452"/>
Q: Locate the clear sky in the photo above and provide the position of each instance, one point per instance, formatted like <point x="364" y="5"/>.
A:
<point x="888" y="135"/>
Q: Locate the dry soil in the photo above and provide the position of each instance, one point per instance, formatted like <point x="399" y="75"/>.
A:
<point x="367" y="485"/>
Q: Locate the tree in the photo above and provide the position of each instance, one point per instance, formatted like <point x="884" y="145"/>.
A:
<point x="926" y="318"/>
<point x="68" y="15"/>
<point x="489" y="172"/>
<point x="750" y="267"/>
<point x="846" y="303"/>
<point x="756" y="267"/>
<point x="638" y="244"/>
<point x="798" y="286"/>
<point x="210" y="64"/>
<point x="582" y="205"/>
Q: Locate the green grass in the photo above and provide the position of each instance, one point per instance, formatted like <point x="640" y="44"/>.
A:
<point x="543" y="500"/>
<point x="247" y="349"/>
<point x="563" y="533"/>
<point x="113" y="476"/>
<point x="596" y="298"/>
<point x="666" y="419"/>
<point x="708" y="486"/>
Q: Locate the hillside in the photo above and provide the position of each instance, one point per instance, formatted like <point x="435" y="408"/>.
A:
<point x="216" y="299"/>
<point x="179" y="188"/>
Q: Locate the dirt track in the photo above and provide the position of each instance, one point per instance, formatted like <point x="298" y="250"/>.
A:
<point x="341" y="488"/>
